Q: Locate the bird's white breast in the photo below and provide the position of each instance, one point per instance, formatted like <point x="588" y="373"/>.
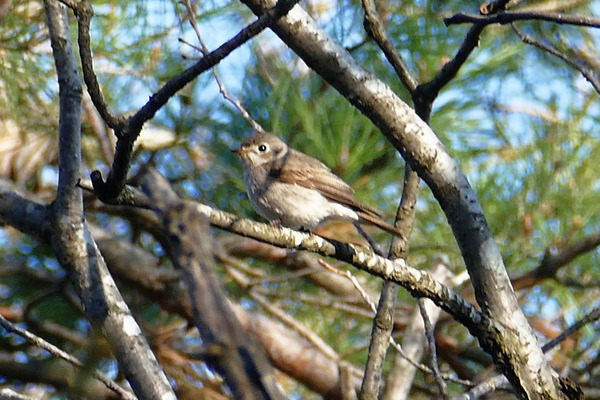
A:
<point x="293" y="205"/>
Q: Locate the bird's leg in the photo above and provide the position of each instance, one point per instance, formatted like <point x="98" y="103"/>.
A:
<point x="276" y="222"/>
<point x="374" y="245"/>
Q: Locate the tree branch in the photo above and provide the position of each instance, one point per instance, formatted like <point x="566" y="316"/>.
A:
<point x="499" y="381"/>
<point x="430" y="340"/>
<point x="284" y="346"/>
<point x="588" y="74"/>
<point x="554" y="259"/>
<point x="70" y="240"/>
<point x="7" y="394"/>
<point x="56" y="373"/>
<point x="383" y="323"/>
<point x="589" y="318"/>
<point x="84" y="12"/>
<point x="236" y="355"/>
<point x="508" y="17"/>
<point x="39" y="342"/>
<point x="424" y="95"/>
<point x="23" y="213"/>
<point x="375" y="29"/>
<point x="222" y="88"/>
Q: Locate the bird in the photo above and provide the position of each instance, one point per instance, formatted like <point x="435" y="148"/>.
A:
<point x="295" y="190"/>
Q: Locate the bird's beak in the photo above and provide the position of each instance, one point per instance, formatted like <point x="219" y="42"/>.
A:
<point x="240" y="151"/>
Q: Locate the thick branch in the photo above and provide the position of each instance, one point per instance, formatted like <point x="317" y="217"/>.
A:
<point x="22" y="213"/>
<point x="236" y="355"/>
<point x="72" y="244"/>
<point x="499" y="381"/>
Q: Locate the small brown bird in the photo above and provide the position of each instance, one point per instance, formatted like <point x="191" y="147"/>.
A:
<point x="298" y="191"/>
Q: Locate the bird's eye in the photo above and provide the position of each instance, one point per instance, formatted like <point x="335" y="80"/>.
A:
<point x="262" y="148"/>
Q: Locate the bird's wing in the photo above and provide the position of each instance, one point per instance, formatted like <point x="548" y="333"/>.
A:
<point x="311" y="173"/>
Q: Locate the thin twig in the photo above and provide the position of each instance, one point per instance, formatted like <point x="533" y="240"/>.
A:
<point x="210" y="60"/>
<point x="588" y="74"/>
<point x="509" y="17"/>
<point x="291" y="322"/>
<point x="330" y="303"/>
<point x="367" y="299"/>
<point x="589" y="318"/>
<point x="363" y="293"/>
<point x="375" y="29"/>
<point x="281" y="278"/>
<point x="52" y="349"/>
<point x="237" y="264"/>
<point x="288" y="320"/>
<point x="430" y="340"/>
<point x="491" y="385"/>
<point x="222" y="89"/>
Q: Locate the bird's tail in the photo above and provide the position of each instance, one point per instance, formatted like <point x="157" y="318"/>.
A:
<point x="378" y="222"/>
